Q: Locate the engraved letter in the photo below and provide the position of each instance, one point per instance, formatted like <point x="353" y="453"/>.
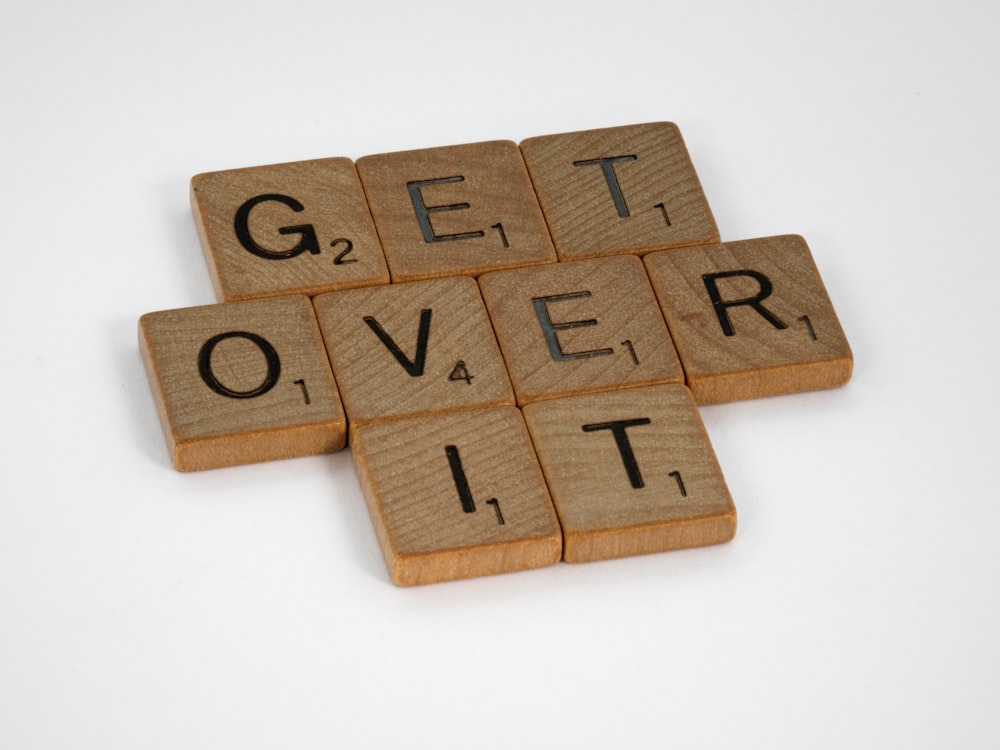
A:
<point x="608" y="168"/>
<point x="270" y="355"/>
<point x="624" y="446"/>
<point x="722" y="306"/>
<point x="241" y="224"/>
<point x="424" y="211"/>
<point x="416" y="367"/>
<point x="550" y="329"/>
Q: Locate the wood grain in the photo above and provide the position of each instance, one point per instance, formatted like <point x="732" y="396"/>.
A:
<point x="628" y="189"/>
<point x="786" y="338"/>
<point x="297" y="228"/>
<point x="631" y="472"/>
<point x="579" y="327"/>
<point x="241" y="382"/>
<point x="447" y="356"/>
<point x="456" y="496"/>
<point x="453" y="210"/>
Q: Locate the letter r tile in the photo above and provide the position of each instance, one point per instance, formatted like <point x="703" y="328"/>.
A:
<point x="241" y="382"/>
<point x="750" y="319"/>
<point x="631" y="472"/>
<point x="298" y="228"/>
<point x="629" y="189"/>
<point x="455" y="210"/>
<point x="456" y="495"/>
<point x="579" y="327"/>
<point x="414" y="348"/>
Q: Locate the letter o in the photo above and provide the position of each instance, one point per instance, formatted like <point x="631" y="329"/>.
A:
<point x="205" y="365"/>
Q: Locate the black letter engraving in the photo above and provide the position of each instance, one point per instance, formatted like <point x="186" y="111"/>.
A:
<point x="416" y="367"/>
<point x="305" y="391"/>
<point x="459" y="372"/>
<point x="242" y="226"/>
<point x="666" y="216"/>
<point x="496" y="506"/>
<point x="608" y="168"/>
<point x="503" y="235"/>
<point x="205" y="365"/>
<point x="809" y="325"/>
<point x="627" y="343"/>
<point x="550" y="329"/>
<point x="680" y="482"/>
<point x="722" y="307"/>
<point x="424" y="211"/>
<point x="624" y="447"/>
<point x="461" y="483"/>
<point x="339" y="260"/>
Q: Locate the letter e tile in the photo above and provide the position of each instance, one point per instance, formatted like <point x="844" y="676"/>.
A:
<point x="455" y="210"/>
<point x="240" y="382"/>
<point x="631" y="472"/>
<point x="456" y="496"/>
<point x="750" y="319"/>
<point x="578" y="327"/>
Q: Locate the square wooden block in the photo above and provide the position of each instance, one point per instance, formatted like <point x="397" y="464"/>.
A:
<point x="414" y="348"/>
<point x="579" y="327"/>
<point x="299" y="228"/>
<point x="628" y="189"/>
<point x="456" y="496"/>
<point x="455" y="210"/>
<point x="241" y="382"/>
<point x="750" y="319"/>
<point x="631" y="472"/>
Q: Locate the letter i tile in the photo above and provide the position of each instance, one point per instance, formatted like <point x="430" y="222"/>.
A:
<point x="631" y="472"/>
<point x="456" y="496"/>
<point x="241" y="382"/>
<point x="750" y="319"/>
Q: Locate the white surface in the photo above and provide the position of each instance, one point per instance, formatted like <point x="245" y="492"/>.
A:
<point x="250" y="608"/>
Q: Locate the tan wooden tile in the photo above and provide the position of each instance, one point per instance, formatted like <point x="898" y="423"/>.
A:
<point x="298" y="228"/>
<point x="631" y="472"/>
<point x="579" y="327"/>
<point x="414" y="348"/>
<point x="455" y="210"/>
<point x="241" y="382"/>
<point x="750" y="319"/>
<point x="628" y="189"/>
<point x="456" y="496"/>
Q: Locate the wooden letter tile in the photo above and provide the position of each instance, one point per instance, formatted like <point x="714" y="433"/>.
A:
<point x="241" y="382"/>
<point x="299" y="228"/>
<point x="415" y="348"/>
<point x="455" y="210"/>
<point x="750" y="319"/>
<point x="456" y="496"/>
<point x="579" y="327"/>
<point x="629" y="189"/>
<point x="631" y="472"/>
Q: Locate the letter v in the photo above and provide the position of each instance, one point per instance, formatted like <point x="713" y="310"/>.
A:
<point x="416" y="367"/>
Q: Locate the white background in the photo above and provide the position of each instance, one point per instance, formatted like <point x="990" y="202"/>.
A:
<point x="250" y="607"/>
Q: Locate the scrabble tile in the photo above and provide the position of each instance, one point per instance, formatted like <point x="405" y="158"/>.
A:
<point x="414" y="348"/>
<point x="455" y="210"/>
<point x="579" y="327"/>
<point x="456" y="496"/>
<point x="750" y="319"/>
<point x="241" y="382"/>
<point x="299" y="228"/>
<point x="629" y="189"/>
<point x="631" y="472"/>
